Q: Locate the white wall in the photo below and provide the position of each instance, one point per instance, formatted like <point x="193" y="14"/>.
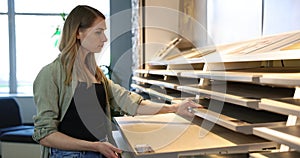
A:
<point x="281" y="16"/>
<point x="161" y="20"/>
<point x="237" y="20"/>
<point x="234" y="20"/>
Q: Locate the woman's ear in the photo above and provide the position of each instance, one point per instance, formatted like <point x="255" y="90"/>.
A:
<point x="78" y="36"/>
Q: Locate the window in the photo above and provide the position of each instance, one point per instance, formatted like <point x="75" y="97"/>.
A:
<point x="35" y="46"/>
<point x="3" y="6"/>
<point x="4" y="55"/>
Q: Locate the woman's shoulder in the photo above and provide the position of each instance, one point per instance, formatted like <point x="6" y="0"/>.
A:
<point x="55" y="65"/>
<point x="51" y="70"/>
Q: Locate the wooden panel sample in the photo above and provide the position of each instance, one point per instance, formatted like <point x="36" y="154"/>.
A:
<point x="287" y="154"/>
<point x="288" y="135"/>
<point x="237" y="118"/>
<point x="286" y="106"/>
<point x="170" y="133"/>
<point x="284" y="79"/>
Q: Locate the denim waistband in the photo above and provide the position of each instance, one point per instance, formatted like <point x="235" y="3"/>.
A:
<point x="58" y="153"/>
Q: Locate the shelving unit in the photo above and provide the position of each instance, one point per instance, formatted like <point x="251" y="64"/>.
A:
<point x="250" y="87"/>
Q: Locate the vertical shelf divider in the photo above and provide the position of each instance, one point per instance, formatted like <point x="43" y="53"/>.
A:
<point x="292" y="119"/>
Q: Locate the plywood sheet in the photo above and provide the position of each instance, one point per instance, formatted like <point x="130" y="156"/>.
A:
<point x="168" y="133"/>
<point x="288" y="135"/>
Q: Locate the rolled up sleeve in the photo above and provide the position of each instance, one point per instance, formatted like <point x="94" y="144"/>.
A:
<point x="46" y="99"/>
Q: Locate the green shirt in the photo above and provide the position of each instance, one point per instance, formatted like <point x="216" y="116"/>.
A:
<point x="52" y="98"/>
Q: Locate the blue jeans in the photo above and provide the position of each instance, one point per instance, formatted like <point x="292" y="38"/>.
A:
<point x="57" y="153"/>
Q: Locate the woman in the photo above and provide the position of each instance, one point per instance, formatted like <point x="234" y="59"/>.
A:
<point x="74" y="98"/>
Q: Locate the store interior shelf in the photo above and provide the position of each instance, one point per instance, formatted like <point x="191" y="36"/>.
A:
<point x="285" y="106"/>
<point x="283" y="79"/>
<point x="289" y="154"/>
<point x="288" y="135"/>
<point x="237" y="118"/>
<point x="242" y="94"/>
<point x="288" y="77"/>
<point x="151" y="92"/>
<point x="248" y="87"/>
<point x="273" y="47"/>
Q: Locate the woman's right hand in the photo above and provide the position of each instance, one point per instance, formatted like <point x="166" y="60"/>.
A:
<point x="108" y="150"/>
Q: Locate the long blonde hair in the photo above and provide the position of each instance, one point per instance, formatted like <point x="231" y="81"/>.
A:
<point x="81" y="17"/>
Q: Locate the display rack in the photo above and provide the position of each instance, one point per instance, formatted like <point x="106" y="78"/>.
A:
<point x="251" y="80"/>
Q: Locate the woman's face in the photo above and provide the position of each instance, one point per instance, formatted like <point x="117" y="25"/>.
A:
<point x="92" y="39"/>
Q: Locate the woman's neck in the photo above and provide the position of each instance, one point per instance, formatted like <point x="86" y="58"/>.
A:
<point x="84" y="69"/>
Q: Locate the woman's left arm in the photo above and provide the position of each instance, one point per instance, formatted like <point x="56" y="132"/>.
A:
<point x="148" y="107"/>
<point x="134" y="104"/>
